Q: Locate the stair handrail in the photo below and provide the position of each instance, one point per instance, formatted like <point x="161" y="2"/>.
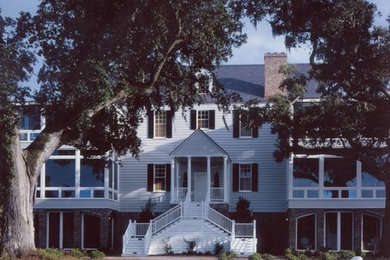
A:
<point x="207" y="200"/>
<point x="219" y="219"/>
<point x="166" y="218"/>
<point x="127" y="235"/>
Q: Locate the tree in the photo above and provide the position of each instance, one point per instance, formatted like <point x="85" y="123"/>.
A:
<point x="350" y="61"/>
<point x="105" y="64"/>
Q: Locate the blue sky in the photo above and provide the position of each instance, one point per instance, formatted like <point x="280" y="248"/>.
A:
<point x="260" y="39"/>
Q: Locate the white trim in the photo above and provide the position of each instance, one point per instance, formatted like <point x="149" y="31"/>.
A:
<point x="197" y="119"/>
<point x="189" y="176"/>
<point x="208" y="175"/>
<point x="225" y="180"/>
<point x="172" y="173"/>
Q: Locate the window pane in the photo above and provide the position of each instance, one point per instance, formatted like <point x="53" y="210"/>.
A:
<point x="216" y="168"/>
<point x="245" y="177"/>
<point x="60" y="173"/>
<point x="298" y="194"/>
<point x="51" y="194"/>
<point x="312" y="193"/>
<point x="203" y="119"/>
<point x="306" y="233"/>
<point x="381" y="194"/>
<point x="369" y="180"/>
<point x="67" y="194"/>
<point x="91" y="231"/>
<point x="371" y="232"/>
<point x="64" y="152"/>
<point x="92" y="173"/>
<point x="331" y="231"/>
<point x="116" y="173"/>
<point x="339" y="172"/>
<point x="85" y="194"/>
<point x="110" y="173"/>
<point x="98" y="193"/>
<point x="346" y="231"/>
<point x="159" y="177"/>
<point x="305" y="172"/>
<point x="68" y="230"/>
<point x="54" y="229"/>
<point x="367" y="193"/>
<point x="160" y="124"/>
<point x="30" y="120"/>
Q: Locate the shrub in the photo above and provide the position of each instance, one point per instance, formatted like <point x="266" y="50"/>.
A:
<point x="96" y="254"/>
<point x="76" y="253"/>
<point x="255" y="256"/>
<point x="243" y="212"/>
<point x="267" y="257"/>
<point x="347" y="254"/>
<point x="191" y="246"/>
<point x="167" y="246"/>
<point x="50" y="253"/>
<point x="218" y="247"/>
<point x="229" y="255"/>
<point x="147" y="212"/>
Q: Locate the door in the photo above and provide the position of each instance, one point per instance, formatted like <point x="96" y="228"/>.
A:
<point x="200" y="186"/>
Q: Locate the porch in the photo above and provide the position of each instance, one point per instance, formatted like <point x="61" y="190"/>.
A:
<point x="199" y="167"/>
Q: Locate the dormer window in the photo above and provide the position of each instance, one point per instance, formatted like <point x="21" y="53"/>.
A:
<point x="203" y="119"/>
<point x="205" y="82"/>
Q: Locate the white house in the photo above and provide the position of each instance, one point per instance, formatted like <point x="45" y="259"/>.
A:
<point x="195" y="165"/>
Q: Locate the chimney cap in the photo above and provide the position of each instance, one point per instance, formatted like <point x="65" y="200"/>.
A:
<point x="275" y="54"/>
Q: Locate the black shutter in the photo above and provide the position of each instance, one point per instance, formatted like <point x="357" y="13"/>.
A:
<point x="150" y="124"/>
<point x="150" y="177"/>
<point x="169" y="124"/>
<point x="211" y="119"/>
<point x="255" y="176"/>
<point x="236" y="180"/>
<point x="236" y="124"/>
<point x="168" y="176"/>
<point x="193" y="120"/>
<point x="255" y="132"/>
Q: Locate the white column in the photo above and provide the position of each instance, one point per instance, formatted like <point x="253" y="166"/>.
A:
<point x="43" y="182"/>
<point x="208" y="175"/>
<point x="61" y="233"/>
<point x="173" y="193"/>
<point x="106" y="184"/>
<point x="189" y="176"/>
<point x="321" y="176"/>
<point x="358" y="179"/>
<point x="338" y="231"/>
<point x="77" y="180"/>
<point x="225" y="179"/>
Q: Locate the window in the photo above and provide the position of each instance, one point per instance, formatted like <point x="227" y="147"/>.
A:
<point x="372" y="227"/>
<point x="60" y="173"/>
<point x="90" y="231"/>
<point x="245" y="177"/>
<point x="92" y="173"/>
<point x="305" y="172"/>
<point x="338" y="231"/>
<point x="30" y="120"/>
<point x="203" y="119"/>
<point x="160" y="124"/>
<point x="61" y="230"/>
<point x="159" y="177"/>
<point x="306" y="232"/>
<point x="241" y="128"/>
<point x="245" y="131"/>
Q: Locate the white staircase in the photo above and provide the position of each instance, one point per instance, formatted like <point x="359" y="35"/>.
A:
<point x="189" y="221"/>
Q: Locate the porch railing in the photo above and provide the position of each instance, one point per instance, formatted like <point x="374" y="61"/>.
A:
<point x="245" y="229"/>
<point x="126" y="237"/>
<point x="217" y="194"/>
<point x="180" y="193"/>
<point x="167" y="218"/>
<point x="218" y="219"/>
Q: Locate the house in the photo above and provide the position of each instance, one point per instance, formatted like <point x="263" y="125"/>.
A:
<point x="194" y="167"/>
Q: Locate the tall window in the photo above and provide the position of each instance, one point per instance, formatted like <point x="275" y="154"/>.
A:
<point x="245" y="131"/>
<point x="159" y="177"/>
<point x="61" y="230"/>
<point x="372" y="227"/>
<point x="245" y="177"/>
<point x="306" y="231"/>
<point x="203" y="119"/>
<point x="160" y="124"/>
<point x="338" y="230"/>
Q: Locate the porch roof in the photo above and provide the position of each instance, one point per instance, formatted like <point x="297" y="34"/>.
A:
<point x="198" y="144"/>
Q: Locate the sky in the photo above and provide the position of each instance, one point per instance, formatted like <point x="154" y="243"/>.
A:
<point x="259" y="42"/>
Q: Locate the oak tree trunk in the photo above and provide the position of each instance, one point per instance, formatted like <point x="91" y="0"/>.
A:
<point x="18" y="220"/>
<point x="18" y="226"/>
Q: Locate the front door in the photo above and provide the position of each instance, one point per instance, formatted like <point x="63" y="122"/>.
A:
<point x="200" y="186"/>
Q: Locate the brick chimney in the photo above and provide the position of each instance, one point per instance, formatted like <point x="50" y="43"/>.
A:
<point x="273" y="79"/>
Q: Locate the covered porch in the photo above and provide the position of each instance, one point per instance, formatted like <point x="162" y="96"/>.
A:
<point x="199" y="166"/>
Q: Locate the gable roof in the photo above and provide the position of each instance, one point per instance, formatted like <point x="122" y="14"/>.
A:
<point x="198" y="144"/>
<point x="249" y="80"/>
